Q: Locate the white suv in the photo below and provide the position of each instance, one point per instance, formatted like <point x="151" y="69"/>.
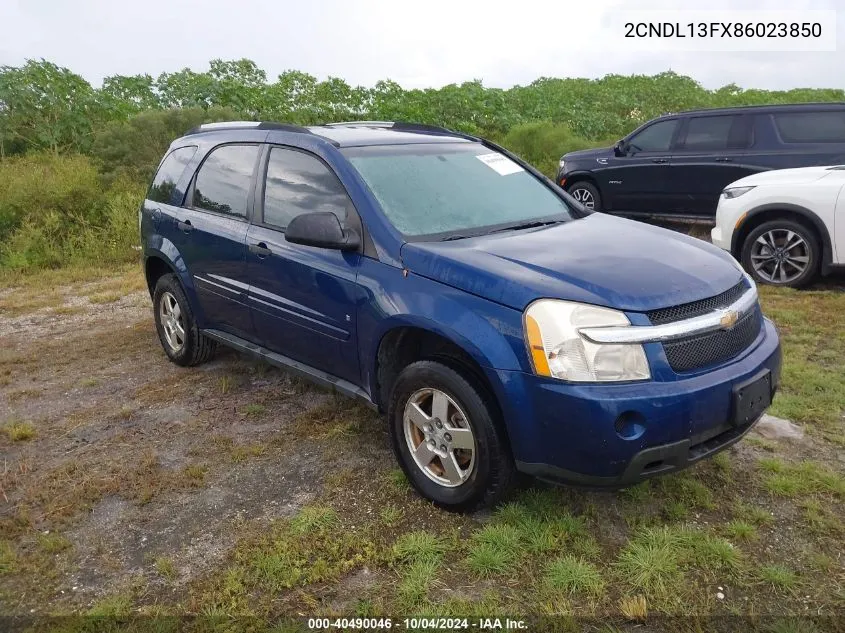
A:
<point x="786" y="225"/>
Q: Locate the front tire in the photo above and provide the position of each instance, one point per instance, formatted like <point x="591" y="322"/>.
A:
<point x="177" y="329"/>
<point x="782" y="253"/>
<point x="587" y="194"/>
<point x="447" y="439"/>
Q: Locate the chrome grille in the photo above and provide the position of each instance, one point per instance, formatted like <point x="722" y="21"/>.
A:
<point x="701" y="350"/>
<point x="697" y="308"/>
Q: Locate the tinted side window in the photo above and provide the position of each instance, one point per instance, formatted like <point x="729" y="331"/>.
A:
<point x="169" y="173"/>
<point x="656" y="137"/>
<point x="708" y="132"/>
<point x="224" y="180"/>
<point x="811" y="127"/>
<point x="299" y="183"/>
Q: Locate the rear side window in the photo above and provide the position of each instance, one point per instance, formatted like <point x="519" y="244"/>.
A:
<point x="811" y="127"/>
<point x="716" y="133"/>
<point x="169" y="173"/>
<point x="708" y="132"/>
<point x="300" y="183"/>
<point x="225" y="178"/>
<point x="655" y="138"/>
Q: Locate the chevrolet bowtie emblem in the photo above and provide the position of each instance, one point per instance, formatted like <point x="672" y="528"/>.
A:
<point x="729" y="319"/>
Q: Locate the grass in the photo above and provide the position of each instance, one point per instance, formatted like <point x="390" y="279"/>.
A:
<point x="414" y="583"/>
<point x="741" y="530"/>
<point x="391" y="514"/>
<point x="52" y="543"/>
<point x="165" y="567"/>
<point x="633" y="607"/>
<point x="194" y="475"/>
<point x="313" y="518"/>
<point x="800" y="479"/>
<point x="420" y="546"/>
<point x="812" y="390"/>
<point x="651" y="563"/>
<point x="572" y="575"/>
<point x="104" y="297"/>
<point x="494" y="550"/>
<point x="8" y="558"/>
<point x="19" y="431"/>
<point x="242" y="452"/>
<point x="254" y="410"/>
<point x="778" y="576"/>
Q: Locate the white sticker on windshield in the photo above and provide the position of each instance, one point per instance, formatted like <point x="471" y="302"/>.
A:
<point x="500" y="163"/>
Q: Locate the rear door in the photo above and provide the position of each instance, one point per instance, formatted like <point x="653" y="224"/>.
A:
<point x="710" y="154"/>
<point x="637" y="181"/>
<point x="303" y="298"/>
<point x="210" y="231"/>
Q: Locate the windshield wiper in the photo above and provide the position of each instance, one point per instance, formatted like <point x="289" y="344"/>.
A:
<point x="527" y="225"/>
<point x="459" y="237"/>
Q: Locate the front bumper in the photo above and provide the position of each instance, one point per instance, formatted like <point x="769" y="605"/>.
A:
<point x="570" y="433"/>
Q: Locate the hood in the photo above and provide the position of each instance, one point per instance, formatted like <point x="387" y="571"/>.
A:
<point x="582" y="154"/>
<point x="599" y="259"/>
<point x="799" y="176"/>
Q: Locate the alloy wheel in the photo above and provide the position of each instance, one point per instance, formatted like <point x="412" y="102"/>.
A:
<point x="170" y="314"/>
<point x="439" y="437"/>
<point x="780" y="256"/>
<point x="585" y="197"/>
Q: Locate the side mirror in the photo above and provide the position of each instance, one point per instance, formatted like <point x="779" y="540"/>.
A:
<point x="621" y="148"/>
<point x="321" y="229"/>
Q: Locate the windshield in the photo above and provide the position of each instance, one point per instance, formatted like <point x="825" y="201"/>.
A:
<point x="438" y="190"/>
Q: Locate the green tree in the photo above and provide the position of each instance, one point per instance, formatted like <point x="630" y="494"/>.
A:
<point x="46" y="107"/>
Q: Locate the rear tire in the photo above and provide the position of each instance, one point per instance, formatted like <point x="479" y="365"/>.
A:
<point x="457" y="478"/>
<point x="177" y="329"/>
<point x="782" y="252"/>
<point x="586" y="193"/>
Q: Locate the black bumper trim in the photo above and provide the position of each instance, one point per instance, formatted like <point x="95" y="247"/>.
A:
<point x="650" y="462"/>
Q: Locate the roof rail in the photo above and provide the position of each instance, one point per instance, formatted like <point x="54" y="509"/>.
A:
<point x="404" y="126"/>
<point x="247" y="125"/>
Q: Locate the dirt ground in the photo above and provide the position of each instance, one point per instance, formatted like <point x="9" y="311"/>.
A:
<point x="135" y="458"/>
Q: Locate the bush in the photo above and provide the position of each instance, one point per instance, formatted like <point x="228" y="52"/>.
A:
<point x="54" y="211"/>
<point x="543" y="143"/>
<point x="132" y="149"/>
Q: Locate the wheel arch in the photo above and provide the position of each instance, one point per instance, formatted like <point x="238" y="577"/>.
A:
<point x="767" y="212"/>
<point x="155" y="267"/>
<point x="582" y="176"/>
<point x="406" y="343"/>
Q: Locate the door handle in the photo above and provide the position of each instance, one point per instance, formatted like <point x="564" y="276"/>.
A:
<point x="724" y="159"/>
<point x="260" y="249"/>
<point x="659" y="160"/>
<point x="185" y="226"/>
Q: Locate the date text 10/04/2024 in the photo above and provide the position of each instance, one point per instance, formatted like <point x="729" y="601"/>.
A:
<point x="481" y="624"/>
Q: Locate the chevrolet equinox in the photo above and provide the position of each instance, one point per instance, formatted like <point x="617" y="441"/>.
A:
<point x="499" y="324"/>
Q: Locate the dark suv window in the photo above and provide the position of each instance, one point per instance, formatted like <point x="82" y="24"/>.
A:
<point x="716" y="133"/>
<point x="169" y="173"/>
<point x="299" y="183"/>
<point x="224" y="180"/>
<point x="811" y="127"/>
<point x="655" y="138"/>
<point x="708" y="132"/>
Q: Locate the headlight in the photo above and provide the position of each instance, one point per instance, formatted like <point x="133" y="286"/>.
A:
<point x="558" y="350"/>
<point x="735" y="192"/>
<point x="561" y="164"/>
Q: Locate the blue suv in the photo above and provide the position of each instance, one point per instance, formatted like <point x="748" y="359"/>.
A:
<point x="499" y="324"/>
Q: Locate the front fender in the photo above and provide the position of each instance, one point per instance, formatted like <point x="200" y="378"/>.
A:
<point x="489" y="332"/>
